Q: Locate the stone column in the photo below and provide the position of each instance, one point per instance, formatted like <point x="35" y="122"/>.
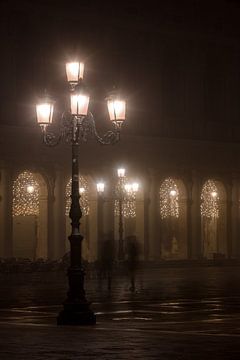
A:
<point x="57" y="217"/>
<point x="100" y="224"/>
<point x="108" y="229"/>
<point x="189" y="204"/>
<point x="235" y="219"/>
<point x="93" y="226"/>
<point x="42" y="228"/>
<point x="196" y="243"/>
<point x="6" y="187"/>
<point x="229" y="214"/>
<point x="142" y="223"/>
<point x="154" y="219"/>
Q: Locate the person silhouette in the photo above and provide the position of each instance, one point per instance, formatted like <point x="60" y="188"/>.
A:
<point x="132" y="259"/>
<point x="106" y="261"/>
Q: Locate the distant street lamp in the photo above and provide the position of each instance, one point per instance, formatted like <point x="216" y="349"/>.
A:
<point x="100" y="187"/>
<point x="75" y="125"/>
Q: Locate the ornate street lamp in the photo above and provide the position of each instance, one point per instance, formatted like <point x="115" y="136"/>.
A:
<point x="76" y="125"/>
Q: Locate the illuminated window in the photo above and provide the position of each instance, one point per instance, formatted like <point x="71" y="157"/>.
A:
<point x="84" y="193"/>
<point x="126" y="193"/>
<point x="210" y="200"/>
<point x="25" y="195"/>
<point x="169" y="199"/>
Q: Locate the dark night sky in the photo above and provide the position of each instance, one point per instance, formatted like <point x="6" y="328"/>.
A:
<point x="177" y="64"/>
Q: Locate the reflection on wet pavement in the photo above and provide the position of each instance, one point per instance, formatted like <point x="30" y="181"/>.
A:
<point x="203" y="300"/>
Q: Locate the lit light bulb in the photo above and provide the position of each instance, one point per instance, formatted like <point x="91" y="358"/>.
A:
<point x="74" y="71"/>
<point x="214" y="194"/>
<point x="173" y="192"/>
<point x="81" y="190"/>
<point x="30" y="189"/>
<point x="44" y="113"/>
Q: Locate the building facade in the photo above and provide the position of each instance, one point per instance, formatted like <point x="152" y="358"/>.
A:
<point x="179" y="66"/>
<point x="187" y="206"/>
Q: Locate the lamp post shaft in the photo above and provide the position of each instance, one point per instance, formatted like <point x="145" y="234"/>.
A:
<point x="76" y="308"/>
<point x="120" y="245"/>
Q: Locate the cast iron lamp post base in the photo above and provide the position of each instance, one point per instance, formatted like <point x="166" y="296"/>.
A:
<point x="76" y="308"/>
<point x="76" y="314"/>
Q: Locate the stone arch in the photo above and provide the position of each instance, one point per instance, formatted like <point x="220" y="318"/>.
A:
<point x="213" y="219"/>
<point x="173" y="218"/>
<point x="30" y="215"/>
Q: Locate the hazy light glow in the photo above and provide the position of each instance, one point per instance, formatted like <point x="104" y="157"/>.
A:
<point x="117" y="110"/>
<point x="44" y="113"/>
<point x="74" y="71"/>
<point x="79" y="104"/>
<point x="100" y="187"/>
<point x="81" y="190"/>
<point x="121" y="172"/>
<point x="131" y="187"/>
<point x="135" y="186"/>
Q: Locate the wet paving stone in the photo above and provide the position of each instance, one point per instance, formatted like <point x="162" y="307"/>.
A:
<point x="152" y="323"/>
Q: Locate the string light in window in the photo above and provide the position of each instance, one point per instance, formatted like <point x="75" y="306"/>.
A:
<point x="25" y="195"/>
<point x="169" y="199"/>
<point x="210" y="200"/>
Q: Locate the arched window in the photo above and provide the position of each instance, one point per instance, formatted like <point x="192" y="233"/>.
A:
<point x="84" y="192"/>
<point x="25" y="195"/>
<point x="210" y="200"/>
<point x="169" y="199"/>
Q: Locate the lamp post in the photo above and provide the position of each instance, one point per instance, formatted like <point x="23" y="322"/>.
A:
<point x="100" y="218"/>
<point x="75" y="126"/>
<point x="121" y="175"/>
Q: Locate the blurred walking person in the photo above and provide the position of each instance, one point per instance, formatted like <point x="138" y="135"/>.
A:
<point x="106" y="261"/>
<point x="132" y="260"/>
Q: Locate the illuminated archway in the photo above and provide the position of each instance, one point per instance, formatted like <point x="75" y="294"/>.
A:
<point x="173" y="226"/>
<point x="213" y="219"/>
<point x="29" y="213"/>
<point x="85" y="207"/>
